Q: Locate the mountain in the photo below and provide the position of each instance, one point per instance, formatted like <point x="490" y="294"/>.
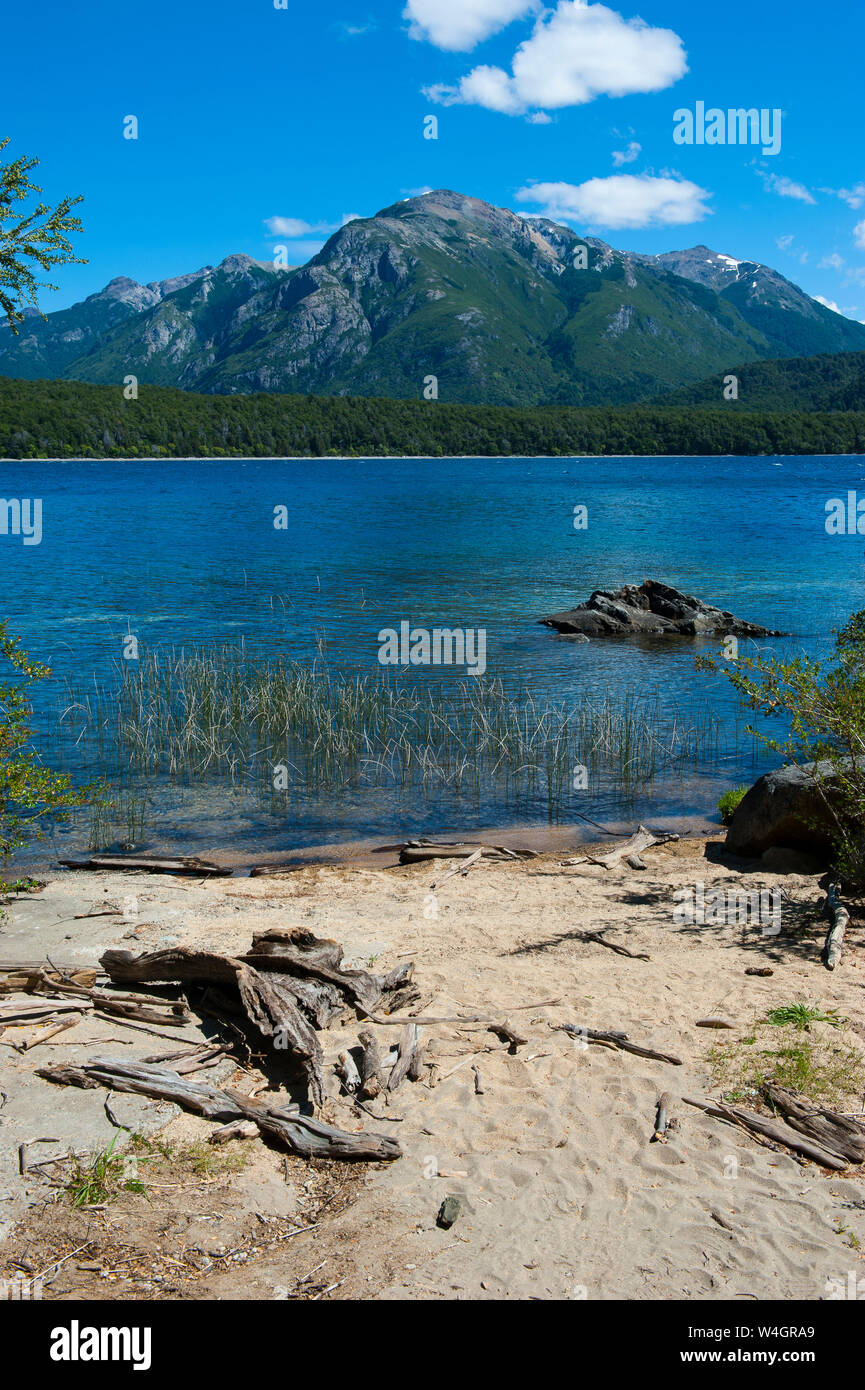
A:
<point x="831" y="381"/>
<point x="799" y="324"/>
<point x="488" y="302"/>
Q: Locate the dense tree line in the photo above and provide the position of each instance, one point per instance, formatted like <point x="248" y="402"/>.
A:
<point x="66" y="419"/>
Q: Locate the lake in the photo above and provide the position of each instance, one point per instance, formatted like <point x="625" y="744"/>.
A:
<point x="186" y="553"/>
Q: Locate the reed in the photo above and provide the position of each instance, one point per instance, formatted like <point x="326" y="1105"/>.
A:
<point x="192" y="716"/>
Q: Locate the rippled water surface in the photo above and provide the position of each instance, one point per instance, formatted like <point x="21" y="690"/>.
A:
<point x="184" y="553"/>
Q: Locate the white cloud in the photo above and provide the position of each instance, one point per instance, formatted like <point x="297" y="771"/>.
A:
<point x="576" y="52"/>
<point x="627" y="156"/>
<point x="833" y="262"/>
<point x="290" y="226"/>
<point x="457" y="25"/>
<point x="622" y="200"/>
<point x="787" y="188"/>
<point x="859" y="234"/>
<point x="854" y="197"/>
<point x="829" y="303"/>
<point x="784" y="242"/>
<point x="293" y="227"/>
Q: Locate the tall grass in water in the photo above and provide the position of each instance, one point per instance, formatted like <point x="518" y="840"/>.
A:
<point x="190" y="716"/>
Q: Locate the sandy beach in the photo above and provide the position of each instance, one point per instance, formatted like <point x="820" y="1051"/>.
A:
<point x="563" y="1194"/>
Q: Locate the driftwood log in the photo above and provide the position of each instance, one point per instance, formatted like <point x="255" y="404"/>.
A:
<point x="835" y="909"/>
<point x="302" y="1135"/>
<point x="290" y="983"/>
<point x="370" y="1064"/>
<point x="776" y="1131"/>
<point x="840" y="1134"/>
<point x="611" y="945"/>
<point x="419" y="851"/>
<point x="642" y="839"/>
<point x="662" y="1115"/>
<point x="617" y="1040"/>
<point x="200" y="868"/>
<point x="407" y="1048"/>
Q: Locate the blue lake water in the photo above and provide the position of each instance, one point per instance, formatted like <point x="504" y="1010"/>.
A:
<point x="182" y="553"/>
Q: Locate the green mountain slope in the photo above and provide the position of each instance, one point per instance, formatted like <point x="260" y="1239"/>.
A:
<point x="833" y="381"/>
<point x="487" y="302"/>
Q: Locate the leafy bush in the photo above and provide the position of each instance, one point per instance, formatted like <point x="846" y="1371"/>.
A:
<point x="28" y="791"/>
<point x="822" y="705"/>
<point x="729" y="801"/>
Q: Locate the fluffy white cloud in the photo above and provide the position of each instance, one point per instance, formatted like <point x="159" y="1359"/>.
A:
<point x="786" y="188"/>
<point x="859" y="234"/>
<point x="622" y="200"/>
<point x="829" y="303"/>
<point x="627" y="156"/>
<point x="576" y="52"/>
<point x="458" y="25"/>
<point x="833" y="262"/>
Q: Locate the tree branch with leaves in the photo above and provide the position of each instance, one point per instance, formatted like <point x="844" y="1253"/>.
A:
<point x="821" y="708"/>
<point x="30" y="241"/>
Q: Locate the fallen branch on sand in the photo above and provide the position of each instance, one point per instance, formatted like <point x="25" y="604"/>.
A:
<point x="630" y="851"/>
<point x="615" y="1040"/>
<point x="200" y="868"/>
<point x="302" y="1135"/>
<point x="611" y="945"/>
<point x="834" y="908"/>
<point x="463" y="868"/>
<point x="662" y="1118"/>
<point x="825" y="1137"/>
<point x="419" y="851"/>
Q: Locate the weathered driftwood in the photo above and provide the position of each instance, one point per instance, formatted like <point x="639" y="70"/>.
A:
<point x="774" y="1130"/>
<point x="419" y="851"/>
<point x="200" y="868"/>
<point x="462" y="868"/>
<point x="503" y="1029"/>
<point x="611" y="945"/>
<point x="842" y="1135"/>
<point x="640" y="840"/>
<point x="662" y="1118"/>
<point x="238" y="1129"/>
<point x="27" y="979"/>
<point x="267" y="1003"/>
<point x="408" y="1042"/>
<point x="70" y="1021"/>
<point x="417" y="1063"/>
<point x="370" y="1064"/>
<point x="300" y="1133"/>
<point x="714" y="1021"/>
<point x="618" y="1040"/>
<point x="834" y="908"/>
<point x="348" y="1072"/>
<point x="33" y="1011"/>
<point x="290" y="983"/>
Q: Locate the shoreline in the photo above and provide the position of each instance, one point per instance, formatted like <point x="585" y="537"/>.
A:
<point x="382" y="851"/>
<point x="407" y="458"/>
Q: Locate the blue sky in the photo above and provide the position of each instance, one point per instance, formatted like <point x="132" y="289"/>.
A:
<point x="249" y="113"/>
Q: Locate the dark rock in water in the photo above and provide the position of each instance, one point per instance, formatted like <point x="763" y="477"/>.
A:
<point x="651" y="607"/>
<point x="786" y="808"/>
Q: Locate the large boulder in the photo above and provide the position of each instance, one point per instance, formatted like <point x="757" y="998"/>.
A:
<point x="651" y="607"/>
<point x="784" y="807"/>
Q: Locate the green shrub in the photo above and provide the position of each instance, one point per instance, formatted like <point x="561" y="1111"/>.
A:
<point x="729" y="801"/>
